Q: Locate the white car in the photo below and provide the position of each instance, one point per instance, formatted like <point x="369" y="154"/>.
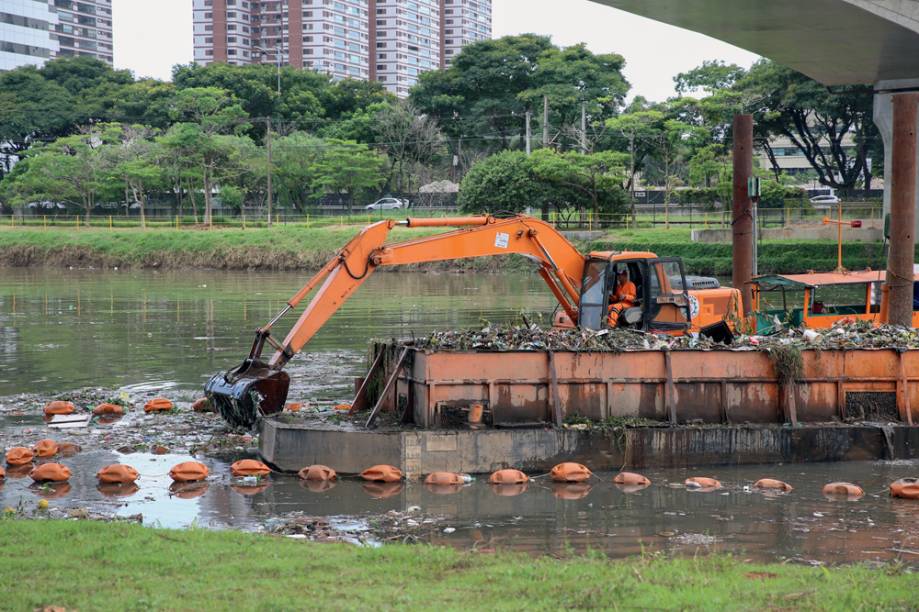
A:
<point x="387" y="204"/>
<point x="825" y="199"/>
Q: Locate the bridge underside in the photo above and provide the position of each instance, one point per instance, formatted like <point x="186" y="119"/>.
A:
<point x="835" y="42"/>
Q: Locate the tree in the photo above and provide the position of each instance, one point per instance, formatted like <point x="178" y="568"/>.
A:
<point x="502" y="182"/>
<point x="296" y="173"/>
<point x="597" y="178"/>
<point x="350" y="168"/>
<point x="833" y="129"/>
<point x="711" y="76"/>
<point x="133" y="159"/>
<point x="407" y="138"/>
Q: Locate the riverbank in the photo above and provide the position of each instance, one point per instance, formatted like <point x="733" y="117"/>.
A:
<point x="118" y="566"/>
<point x="301" y="248"/>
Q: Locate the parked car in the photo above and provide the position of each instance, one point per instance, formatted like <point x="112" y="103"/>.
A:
<point x="387" y="204"/>
<point x="825" y="200"/>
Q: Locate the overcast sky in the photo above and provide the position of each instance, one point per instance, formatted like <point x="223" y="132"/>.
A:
<point x="151" y="37"/>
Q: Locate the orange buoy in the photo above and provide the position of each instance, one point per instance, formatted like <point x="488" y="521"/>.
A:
<point x="343" y="407"/>
<point x="843" y="489"/>
<point x="67" y="449"/>
<point x="771" y="484"/>
<point x="189" y="471"/>
<point x="631" y="479"/>
<point x="202" y="404"/>
<point x="2" y="473"/>
<point x="117" y="490"/>
<point x="19" y="455"/>
<point x="46" y="448"/>
<point x="108" y="409"/>
<point x="188" y="490"/>
<point x="117" y="473"/>
<point x="317" y="472"/>
<point x="382" y="473"/>
<point x="570" y="472"/>
<point x="444" y="479"/>
<point x="571" y="491"/>
<point x="382" y="490"/>
<point x="508" y="477"/>
<point x="59" y="407"/>
<point x="50" y="472"/>
<point x="249" y="467"/>
<point x="907" y="488"/>
<point x="159" y="404"/>
<point x="293" y="406"/>
<point x="701" y="483"/>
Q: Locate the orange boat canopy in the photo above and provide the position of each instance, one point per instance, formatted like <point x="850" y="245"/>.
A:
<point x="822" y="279"/>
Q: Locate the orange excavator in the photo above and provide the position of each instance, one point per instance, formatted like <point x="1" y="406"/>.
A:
<point x="667" y="301"/>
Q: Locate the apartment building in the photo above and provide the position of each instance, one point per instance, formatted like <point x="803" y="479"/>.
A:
<point x="464" y="22"/>
<point x="84" y="28"/>
<point x="25" y="33"/>
<point x="391" y="41"/>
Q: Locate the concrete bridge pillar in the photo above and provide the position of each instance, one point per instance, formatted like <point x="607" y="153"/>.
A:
<point x="883" y="119"/>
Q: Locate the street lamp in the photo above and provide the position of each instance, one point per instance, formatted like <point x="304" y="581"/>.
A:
<point x="278" y="58"/>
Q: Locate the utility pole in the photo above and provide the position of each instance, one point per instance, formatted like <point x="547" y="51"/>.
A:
<point x="584" y="128"/>
<point x="545" y="121"/>
<point x="268" y="148"/>
<point x="901" y="256"/>
<point x="742" y="222"/>
<point x="278" y="56"/>
<point x="529" y="133"/>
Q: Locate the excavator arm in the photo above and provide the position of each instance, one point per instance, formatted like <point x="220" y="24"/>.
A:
<point x="259" y="387"/>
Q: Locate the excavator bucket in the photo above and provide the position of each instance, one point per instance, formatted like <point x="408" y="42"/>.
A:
<point x="247" y="392"/>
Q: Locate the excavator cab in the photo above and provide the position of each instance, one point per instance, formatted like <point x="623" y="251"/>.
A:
<point x="660" y="303"/>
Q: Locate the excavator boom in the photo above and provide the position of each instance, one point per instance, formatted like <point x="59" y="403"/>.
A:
<point x="259" y="387"/>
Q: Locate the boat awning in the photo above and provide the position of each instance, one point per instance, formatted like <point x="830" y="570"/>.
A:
<point x="820" y="279"/>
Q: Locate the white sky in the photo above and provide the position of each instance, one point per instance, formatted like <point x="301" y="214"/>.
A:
<point x="152" y="36"/>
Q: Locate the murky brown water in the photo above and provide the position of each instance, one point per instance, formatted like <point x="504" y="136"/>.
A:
<point x="64" y="330"/>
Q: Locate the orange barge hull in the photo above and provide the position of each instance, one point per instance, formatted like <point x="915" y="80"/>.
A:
<point x="710" y="387"/>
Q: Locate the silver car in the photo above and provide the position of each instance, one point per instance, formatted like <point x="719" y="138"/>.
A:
<point x="387" y="204"/>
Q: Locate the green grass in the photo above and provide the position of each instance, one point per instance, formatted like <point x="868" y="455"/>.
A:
<point x="98" y="566"/>
<point x="299" y="247"/>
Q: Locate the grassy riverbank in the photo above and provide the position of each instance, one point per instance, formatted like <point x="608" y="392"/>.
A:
<point x="98" y="566"/>
<point x="298" y="248"/>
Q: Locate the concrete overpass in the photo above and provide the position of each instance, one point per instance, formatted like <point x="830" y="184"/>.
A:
<point x="835" y="42"/>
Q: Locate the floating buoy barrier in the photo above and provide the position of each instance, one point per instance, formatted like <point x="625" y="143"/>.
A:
<point x="107" y="409"/>
<point x="906" y="488"/>
<point x="66" y="449"/>
<point x="843" y="489"/>
<point x="159" y="404"/>
<point x="343" y="407"/>
<point x="571" y="491"/>
<point x="508" y="477"/>
<point x="317" y="472"/>
<point x="293" y="406"/>
<point x="771" y="484"/>
<point x="19" y="455"/>
<point x="631" y="479"/>
<point x="382" y="490"/>
<point x="510" y="490"/>
<point x="46" y="448"/>
<point x="202" y="404"/>
<point x="59" y="407"/>
<point x="117" y="490"/>
<point x="117" y="473"/>
<point x="2" y="473"/>
<point x="570" y="472"/>
<point x="249" y="467"/>
<point x="189" y="489"/>
<point x="189" y="471"/>
<point x="702" y="483"/>
<point x="382" y="473"/>
<point x="444" y="479"/>
<point x="50" y="472"/>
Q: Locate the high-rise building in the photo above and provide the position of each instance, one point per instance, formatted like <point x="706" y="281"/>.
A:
<point x="464" y="22"/>
<point x="84" y="28"/>
<point x="25" y="33"/>
<point x="392" y="41"/>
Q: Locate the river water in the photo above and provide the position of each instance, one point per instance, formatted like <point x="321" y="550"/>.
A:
<point x="62" y="330"/>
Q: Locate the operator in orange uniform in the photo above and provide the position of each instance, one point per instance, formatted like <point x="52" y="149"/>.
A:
<point x="622" y="298"/>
